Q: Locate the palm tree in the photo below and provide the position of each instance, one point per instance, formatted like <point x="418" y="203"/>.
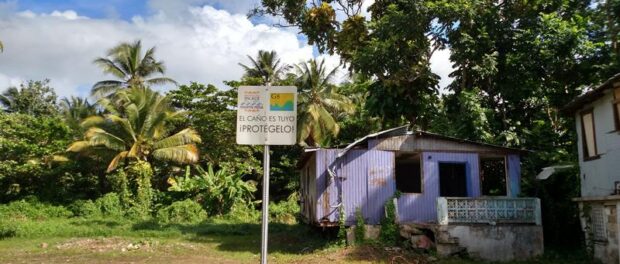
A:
<point x="76" y="109"/>
<point x="127" y="63"/>
<point x="266" y="66"/>
<point x="319" y="101"/>
<point x="139" y="129"/>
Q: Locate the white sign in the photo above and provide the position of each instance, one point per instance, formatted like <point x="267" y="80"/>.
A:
<point x="267" y="115"/>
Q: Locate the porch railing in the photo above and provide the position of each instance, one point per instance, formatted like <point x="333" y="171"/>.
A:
<point x="489" y="210"/>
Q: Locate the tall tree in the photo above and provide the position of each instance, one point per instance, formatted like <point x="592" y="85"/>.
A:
<point x="132" y="68"/>
<point x="32" y="98"/>
<point x="266" y="67"/>
<point x="213" y="116"/>
<point x="319" y="102"/>
<point x="393" y="49"/>
<point x="139" y="129"/>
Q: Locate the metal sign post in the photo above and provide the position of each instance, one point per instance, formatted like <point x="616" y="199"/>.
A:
<point x="265" y="218"/>
<point x="266" y="115"/>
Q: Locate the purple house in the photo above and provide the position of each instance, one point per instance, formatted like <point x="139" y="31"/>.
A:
<point x="442" y="181"/>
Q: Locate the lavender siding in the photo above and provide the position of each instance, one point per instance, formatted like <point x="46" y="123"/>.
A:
<point x="422" y="207"/>
<point x="354" y="169"/>
<point x="367" y="181"/>
<point x="381" y="183"/>
<point x="514" y="175"/>
<point x="326" y="206"/>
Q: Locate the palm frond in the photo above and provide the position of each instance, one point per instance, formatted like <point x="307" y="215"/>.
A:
<point x="79" y="146"/>
<point x="92" y="121"/>
<point x="180" y="154"/>
<point x="104" y="88"/>
<point x="161" y="81"/>
<point x="114" y="163"/>
<point x="185" y="136"/>
<point x="99" y="137"/>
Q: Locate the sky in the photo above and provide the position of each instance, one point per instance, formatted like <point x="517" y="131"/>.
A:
<point x="199" y="40"/>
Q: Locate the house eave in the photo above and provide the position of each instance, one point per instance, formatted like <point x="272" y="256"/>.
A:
<point x="591" y="96"/>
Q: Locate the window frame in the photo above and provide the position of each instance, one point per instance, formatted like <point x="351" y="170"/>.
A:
<point x="421" y="176"/>
<point x="584" y="140"/>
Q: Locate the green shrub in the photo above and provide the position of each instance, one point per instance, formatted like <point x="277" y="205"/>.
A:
<point x="243" y="212"/>
<point x="285" y="211"/>
<point x="360" y="227"/>
<point x="390" y="233"/>
<point x="85" y="208"/>
<point x="182" y="212"/>
<point x="109" y="205"/>
<point x="217" y="190"/>
<point x="32" y="209"/>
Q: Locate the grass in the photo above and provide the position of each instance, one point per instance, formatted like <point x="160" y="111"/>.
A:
<point x="105" y="240"/>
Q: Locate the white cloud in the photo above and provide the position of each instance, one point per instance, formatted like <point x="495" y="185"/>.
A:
<point x="204" y="45"/>
<point x="442" y="66"/>
<point x="197" y="44"/>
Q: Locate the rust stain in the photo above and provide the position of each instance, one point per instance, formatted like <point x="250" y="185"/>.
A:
<point x="378" y="182"/>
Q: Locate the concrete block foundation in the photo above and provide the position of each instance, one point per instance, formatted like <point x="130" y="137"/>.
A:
<point x="493" y="242"/>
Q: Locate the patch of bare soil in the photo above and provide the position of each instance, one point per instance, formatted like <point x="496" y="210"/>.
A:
<point x="106" y="245"/>
<point x="392" y="255"/>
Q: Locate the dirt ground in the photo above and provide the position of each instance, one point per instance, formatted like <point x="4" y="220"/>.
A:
<point x="124" y="250"/>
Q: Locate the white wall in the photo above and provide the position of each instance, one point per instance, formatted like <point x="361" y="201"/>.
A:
<point x="598" y="175"/>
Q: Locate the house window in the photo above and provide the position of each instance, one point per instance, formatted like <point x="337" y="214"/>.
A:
<point x="452" y="179"/>
<point x="409" y="174"/>
<point x="493" y="175"/>
<point x="588" y="136"/>
<point x="616" y="108"/>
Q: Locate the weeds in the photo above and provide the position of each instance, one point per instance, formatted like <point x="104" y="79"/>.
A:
<point x="183" y="212"/>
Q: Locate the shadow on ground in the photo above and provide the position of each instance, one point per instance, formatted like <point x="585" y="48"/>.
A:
<point x="245" y="237"/>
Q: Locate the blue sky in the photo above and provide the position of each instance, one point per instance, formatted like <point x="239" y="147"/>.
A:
<point x="199" y="40"/>
<point x="125" y="9"/>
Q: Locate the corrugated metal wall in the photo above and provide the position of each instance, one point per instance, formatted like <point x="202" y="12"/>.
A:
<point x="355" y="173"/>
<point x="368" y="181"/>
<point x="381" y="183"/>
<point x="422" y="207"/>
<point x="308" y="193"/>
<point x="514" y="175"/>
<point x="327" y="192"/>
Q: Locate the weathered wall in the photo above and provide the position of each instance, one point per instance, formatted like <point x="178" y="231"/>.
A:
<point x="598" y="175"/>
<point x="308" y="195"/>
<point x="327" y="190"/>
<point x="605" y="247"/>
<point x="499" y="242"/>
<point x="421" y="207"/>
<point x="366" y="181"/>
<point x="513" y="163"/>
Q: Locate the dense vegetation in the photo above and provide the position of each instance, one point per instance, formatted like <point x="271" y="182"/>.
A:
<point x="138" y="153"/>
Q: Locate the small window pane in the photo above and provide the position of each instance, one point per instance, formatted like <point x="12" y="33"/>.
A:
<point x="493" y="175"/>
<point x="408" y="175"/>
<point x="588" y="130"/>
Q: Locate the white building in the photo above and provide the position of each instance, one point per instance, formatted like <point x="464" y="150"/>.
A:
<point x="597" y="116"/>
